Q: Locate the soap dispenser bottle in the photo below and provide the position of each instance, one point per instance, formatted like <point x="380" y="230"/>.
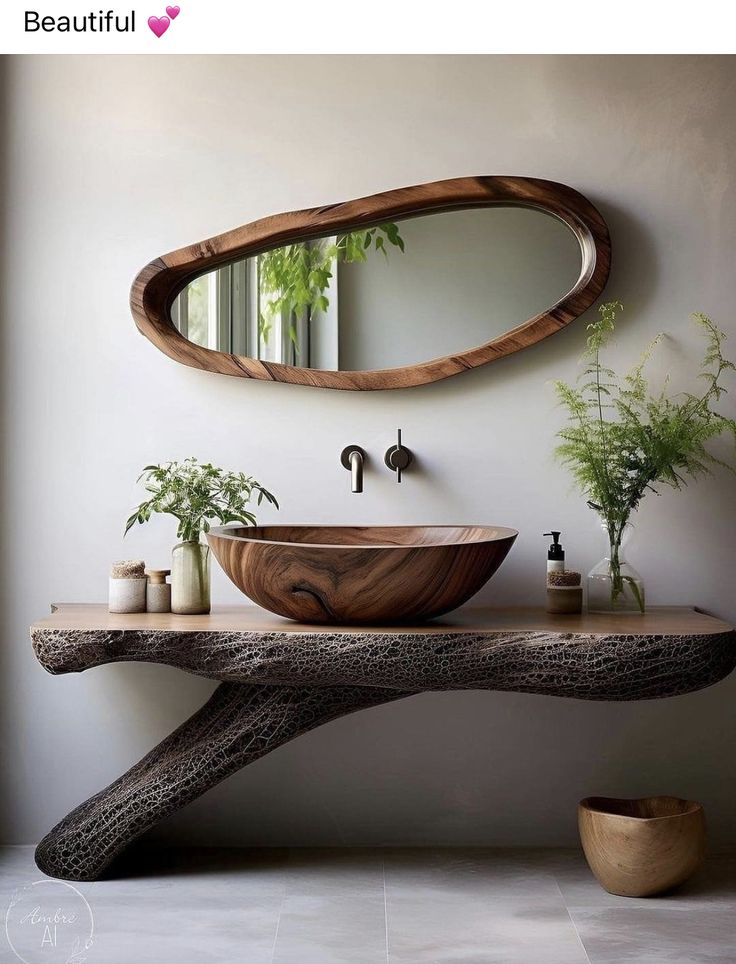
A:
<point x="556" y="554"/>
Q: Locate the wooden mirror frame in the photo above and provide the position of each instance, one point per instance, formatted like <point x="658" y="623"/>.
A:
<point x="159" y="283"/>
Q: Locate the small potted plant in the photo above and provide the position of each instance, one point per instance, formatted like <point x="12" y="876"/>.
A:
<point x="623" y="440"/>
<point x="195" y="494"/>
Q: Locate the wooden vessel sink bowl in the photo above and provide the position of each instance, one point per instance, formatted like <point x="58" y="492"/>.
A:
<point x="638" y="848"/>
<point x="360" y="574"/>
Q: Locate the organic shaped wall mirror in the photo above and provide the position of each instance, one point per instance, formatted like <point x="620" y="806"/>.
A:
<point x="390" y="291"/>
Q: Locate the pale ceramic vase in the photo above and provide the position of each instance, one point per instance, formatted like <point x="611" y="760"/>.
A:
<point x="190" y="579"/>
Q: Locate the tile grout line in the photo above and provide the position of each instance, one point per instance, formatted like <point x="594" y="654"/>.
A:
<point x="570" y="917"/>
<point x="281" y="910"/>
<point x="385" y="906"/>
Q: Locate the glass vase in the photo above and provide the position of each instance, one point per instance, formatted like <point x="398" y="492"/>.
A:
<point x="190" y="579"/>
<point x="614" y="586"/>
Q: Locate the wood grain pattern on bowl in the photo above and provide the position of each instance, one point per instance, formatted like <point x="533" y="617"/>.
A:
<point x="638" y="848"/>
<point x="360" y="574"/>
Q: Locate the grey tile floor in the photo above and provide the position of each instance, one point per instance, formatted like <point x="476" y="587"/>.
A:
<point x="397" y="906"/>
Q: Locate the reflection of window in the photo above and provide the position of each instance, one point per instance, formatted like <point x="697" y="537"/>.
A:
<point x="229" y="310"/>
<point x="213" y="310"/>
<point x="195" y="310"/>
<point x="297" y="319"/>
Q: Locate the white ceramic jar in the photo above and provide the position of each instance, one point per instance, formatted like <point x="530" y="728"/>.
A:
<point x="127" y="587"/>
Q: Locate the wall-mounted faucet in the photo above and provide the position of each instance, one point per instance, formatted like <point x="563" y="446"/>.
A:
<point x="353" y="458"/>
<point x="398" y="458"/>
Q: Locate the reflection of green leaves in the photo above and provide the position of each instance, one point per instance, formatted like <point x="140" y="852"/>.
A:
<point x="293" y="279"/>
<point x="264" y="328"/>
<point x="293" y="338"/>
<point x="392" y="233"/>
<point x="353" y="247"/>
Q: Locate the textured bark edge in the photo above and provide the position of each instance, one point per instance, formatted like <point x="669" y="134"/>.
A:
<point x="582" y="666"/>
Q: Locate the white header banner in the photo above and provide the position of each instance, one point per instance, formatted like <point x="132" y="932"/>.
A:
<point x="379" y="26"/>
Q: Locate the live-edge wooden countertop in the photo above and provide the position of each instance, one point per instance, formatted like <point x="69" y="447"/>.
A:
<point x="657" y="621"/>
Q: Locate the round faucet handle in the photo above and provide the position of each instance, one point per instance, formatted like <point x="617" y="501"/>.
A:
<point x="398" y="458"/>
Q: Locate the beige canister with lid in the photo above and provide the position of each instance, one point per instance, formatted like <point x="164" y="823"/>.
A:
<point x="158" y="591"/>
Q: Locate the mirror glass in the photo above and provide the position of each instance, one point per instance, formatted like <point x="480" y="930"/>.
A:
<point x="396" y="294"/>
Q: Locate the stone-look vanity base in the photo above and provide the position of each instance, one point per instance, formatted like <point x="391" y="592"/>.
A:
<point x="282" y="679"/>
<point x="237" y="725"/>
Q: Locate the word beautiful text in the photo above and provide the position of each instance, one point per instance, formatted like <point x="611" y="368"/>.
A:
<point x="104" y="21"/>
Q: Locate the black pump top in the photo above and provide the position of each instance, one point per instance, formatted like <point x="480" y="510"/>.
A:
<point x="556" y="552"/>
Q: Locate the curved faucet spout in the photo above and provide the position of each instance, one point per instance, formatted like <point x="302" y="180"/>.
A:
<point x="353" y="459"/>
<point x="356" y="472"/>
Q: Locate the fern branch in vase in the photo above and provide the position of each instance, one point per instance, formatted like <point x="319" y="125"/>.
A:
<point x="623" y="439"/>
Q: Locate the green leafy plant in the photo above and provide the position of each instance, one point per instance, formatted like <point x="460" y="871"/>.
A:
<point x="295" y="277"/>
<point x="195" y="494"/>
<point x="623" y="439"/>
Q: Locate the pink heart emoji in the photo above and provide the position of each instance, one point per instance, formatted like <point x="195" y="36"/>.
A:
<point x="173" y="12"/>
<point x="159" y="25"/>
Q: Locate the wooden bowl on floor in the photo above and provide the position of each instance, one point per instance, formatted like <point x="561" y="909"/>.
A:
<point x="638" y="848"/>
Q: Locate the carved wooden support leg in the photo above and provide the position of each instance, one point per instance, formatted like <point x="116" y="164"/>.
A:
<point x="237" y="725"/>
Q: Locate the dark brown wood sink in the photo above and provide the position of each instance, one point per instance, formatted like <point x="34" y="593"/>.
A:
<point x="360" y="574"/>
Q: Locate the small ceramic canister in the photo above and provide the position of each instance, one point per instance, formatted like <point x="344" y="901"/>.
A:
<point x="127" y="593"/>
<point x="158" y="591"/>
<point x="564" y="592"/>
